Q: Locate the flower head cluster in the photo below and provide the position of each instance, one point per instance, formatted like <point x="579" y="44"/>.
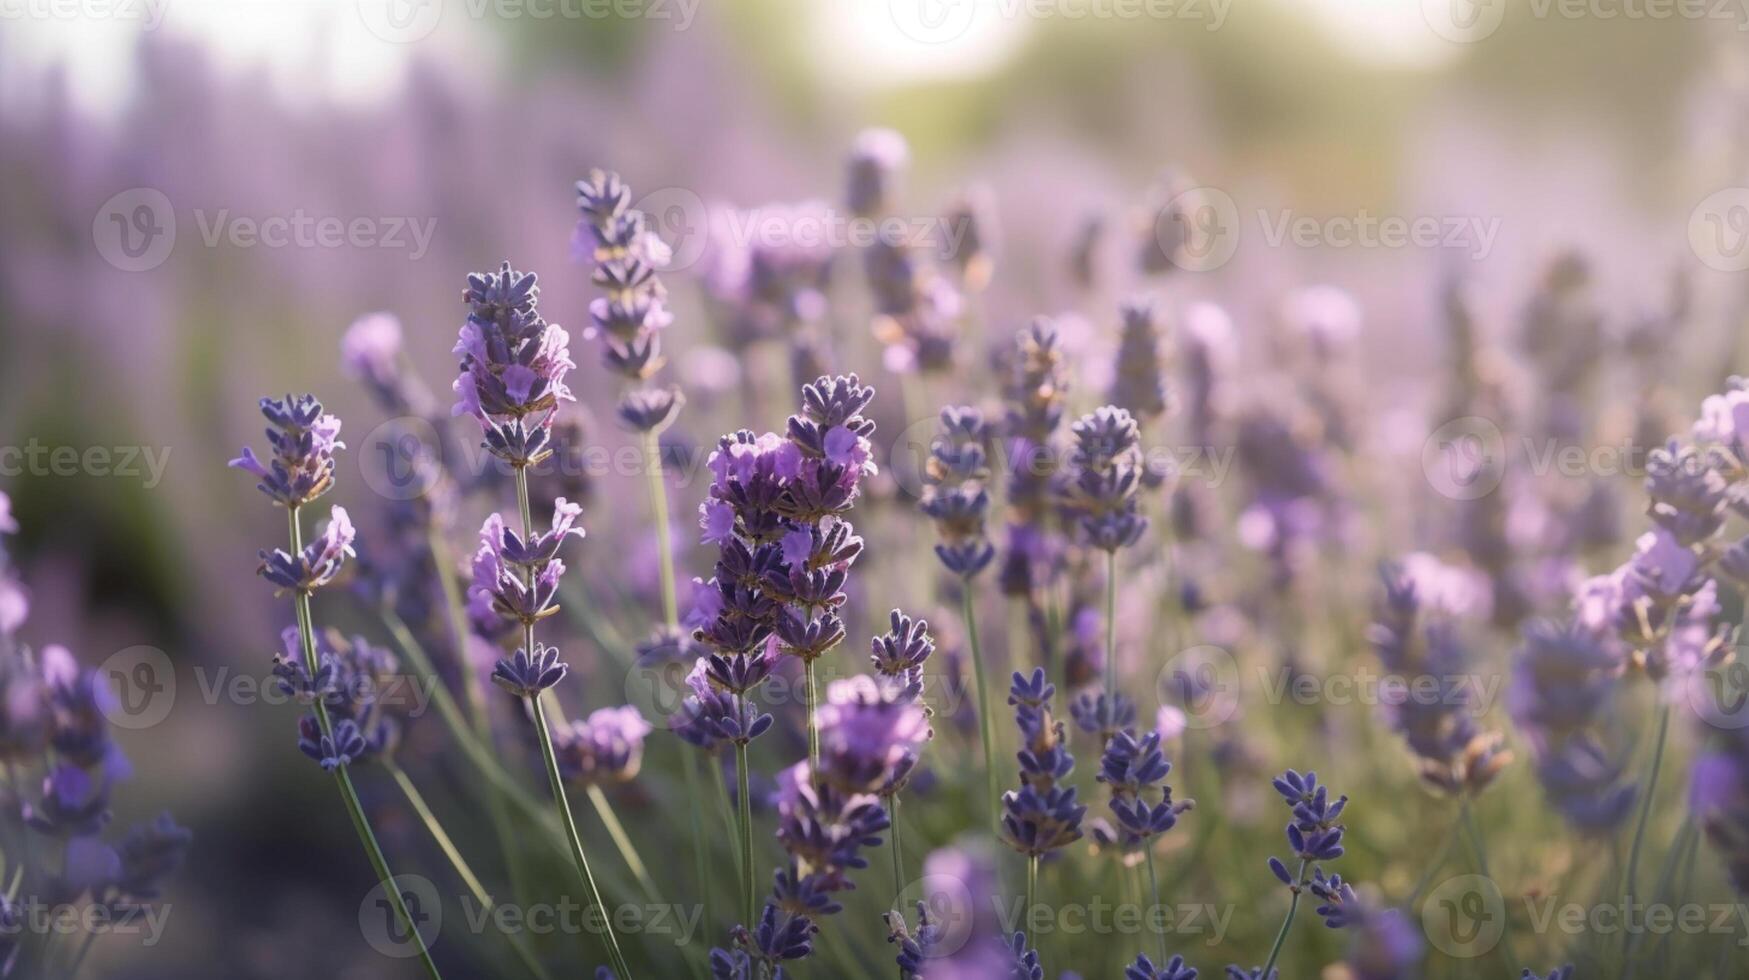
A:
<point x="513" y="366"/>
<point x="1563" y="683"/>
<point x="776" y="511"/>
<point x="1105" y="473"/>
<point x="954" y="492"/>
<point x="1719" y="799"/>
<point x="824" y="829"/>
<point x="759" y="953"/>
<point x="1314" y="832"/>
<point x="1173" y="969"/>
<point x="1139" y="379"/>
<point x="521" y="576"/>
<point x="871" y="735"/>
<point x="54" y="719"/>
<point x="876" y="160"/>
<point x="1036" y="392"/>
<point x="1416" y="639"/>
<point x="606" y="747"/>
<point x="356" y="683"/>
<point x="633" y="313"/>
<point x="1133" y="769"/>
<point x="1042" y="815"/>
<point x="304" y="438"/>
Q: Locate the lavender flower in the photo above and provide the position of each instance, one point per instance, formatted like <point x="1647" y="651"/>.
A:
<point x="1314" y="833"/>
<point x="915" y="947"/>
<point x="1042" y="815"/>
<point x="1036" y="393"/>
<point x="825" y="828"/>
<point x="1416" y="641"/>
<point x="1139" y="381"/>
<point x="1558" y="973"/>
<point x="1105" y="472"/>
<point x="521" y="578"/>
<point x="632" y="315"/>
<point x="1133" y="768"/>
<point x="869" y="742"/>
<point x="304" y="439"/>
<point x="876" y="158"/>
<point x="1562" y="685"/>
<point x="513" y="366"/>
<point x="954" y="494"/>
<point x="525" y="675"/>
<point x="318" y="563"/>
<point x="1173" y="969"/>
<point x="1098" y="713"/>
<point x="606" y="747"/>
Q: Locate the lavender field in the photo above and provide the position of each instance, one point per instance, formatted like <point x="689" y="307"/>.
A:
<point x="945" y="489"/>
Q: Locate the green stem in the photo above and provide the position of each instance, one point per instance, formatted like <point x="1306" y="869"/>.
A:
<point x="898" y="858"/>
<point x="456" y="612"/>
<point x="1286" y="923"/>
<point x="1154" y="898"/>
<point x="813" y="728"/>
<point x="1467" y="815"/>
<point x="700" y="866"/>
<point x="749" y="891"/>
<point x="986" y="722"/>
<point x="1629" y="877"/>
<point x="342" y="777"/>
<point x="730" y="816"/>
<point x="416" y="800"/>
<point x="84" y="951"/>
<point x="1451" y="837"/>
<point x="623" y="841"/>
<point x="1111" y="626"/>
<point x="577" y="854"/>
<point x="1031" y="892"/>
<point x="659" y="514"/>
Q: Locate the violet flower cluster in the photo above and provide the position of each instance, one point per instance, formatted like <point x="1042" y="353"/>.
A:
<point x="1416" y="639"/>
<point x="955" y="494"/>
<point x="1037" y="393"/>
<point x="632" y="315"/>
<point x="513" y="366"/>
<point x="1105" y="473"/>
<point x="1134" y="769"/>
<point x="1043" y="814"/>
<point x="54" y="724"/>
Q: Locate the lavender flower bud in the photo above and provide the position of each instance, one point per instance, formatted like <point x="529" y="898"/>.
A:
<point x="1105" y="472"/>
<point x="1144" y="969"/>
<point x="304" y="440"/>
<point x="954" y="494"/>
<point x="1139" y="380"/>
<point x="876" y="158"/>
